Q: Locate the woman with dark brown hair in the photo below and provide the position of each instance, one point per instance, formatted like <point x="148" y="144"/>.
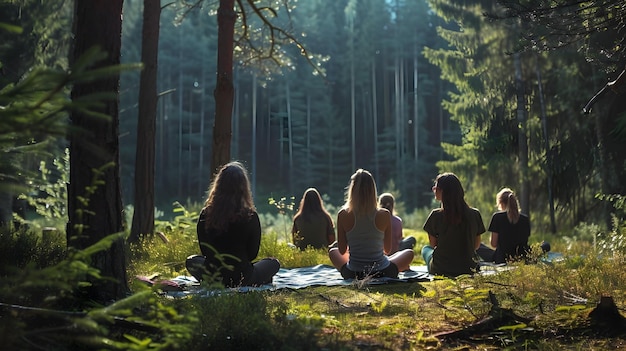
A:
<point x="229" y="233"/>
<point x="312" y="224"/>
<point x="453" y="230"/>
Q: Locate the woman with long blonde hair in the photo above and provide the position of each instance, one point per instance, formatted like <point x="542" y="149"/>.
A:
<point x="364" y="234"/>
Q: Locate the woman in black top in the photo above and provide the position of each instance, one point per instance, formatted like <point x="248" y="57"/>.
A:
<point x="509" y="229"/>
<point x="229" y="233"/>
<point x="312" y="224"/>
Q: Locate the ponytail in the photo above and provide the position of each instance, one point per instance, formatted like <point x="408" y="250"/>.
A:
<point x="506" y="197"/>
<point x="512" y="209"/>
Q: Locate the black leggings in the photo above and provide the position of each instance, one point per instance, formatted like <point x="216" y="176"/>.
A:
<point x="262" y="270"/>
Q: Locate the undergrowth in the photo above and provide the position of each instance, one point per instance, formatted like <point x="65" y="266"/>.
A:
<point x="553" y="298"/>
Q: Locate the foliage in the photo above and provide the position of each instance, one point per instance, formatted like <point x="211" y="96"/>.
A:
<point x="48" y="311"/>
<point x="50" y="198"/>
<point x="31" y="111"/>
<point x="614" y="242"/>
<point x="556" y="295"/>
<point x="539" y="145"/>
<point x="26" y="247"/>
<point x="592" y="24"/>
<point x="286" y="209"/>
<point x="290" y="256"/>
<point x="164" y="254"/>
<point x="253" y="321"/>
<point x="183" y="218"/>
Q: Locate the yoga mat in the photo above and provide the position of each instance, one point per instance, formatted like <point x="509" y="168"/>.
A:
<point x="289" y="278"/>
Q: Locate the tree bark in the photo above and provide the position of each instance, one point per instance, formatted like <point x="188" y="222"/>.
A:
<point x="143" y="216"/>
<point x="224" y="91"/>
<point x="521" y="134"/>
<point x="546" y="143"/>
<point x="95" y="208"/>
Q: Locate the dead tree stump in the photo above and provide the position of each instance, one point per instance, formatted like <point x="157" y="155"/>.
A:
<point x="606" y="319"/>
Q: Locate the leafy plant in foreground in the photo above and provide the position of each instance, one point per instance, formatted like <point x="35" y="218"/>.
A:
<point x="42" y="309"/>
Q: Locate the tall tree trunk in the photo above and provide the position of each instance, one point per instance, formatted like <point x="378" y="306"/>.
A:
<point x="201" y="182"/>
<point x="521" y="134"/>
<point x="308" y="163"/>
<point x="180" y="113"/>
<point x="350" y="12"/>
<point x="236" y="123"/>
<point x="254" y="127"/>
<point x="143" y="217"/>
<point x="415" y="103"/>
<point x="289" y="135"/>
<point x="546" y="143"/>
<point x="352" y="99"/>
<point x="397" y="107"/>
<point x="375" y="118"/>
<point x="94" y="151"/>
<point x="224" y="91"/>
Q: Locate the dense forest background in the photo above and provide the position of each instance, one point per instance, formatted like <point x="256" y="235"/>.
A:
<point x="378" y="106"/>
<point x="493" y="91"/>
<point x="405" y="89"/>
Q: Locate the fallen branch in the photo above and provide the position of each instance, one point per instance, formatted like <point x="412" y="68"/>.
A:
<point x="497" y="318"/>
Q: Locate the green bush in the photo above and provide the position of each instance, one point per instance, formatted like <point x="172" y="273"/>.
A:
<point x="614" y="241"/>
<point x="26" y="247"/>
<point x="43" y="309"/>
<point x="250" y="321"/>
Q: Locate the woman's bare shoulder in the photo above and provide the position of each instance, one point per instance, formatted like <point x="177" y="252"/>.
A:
<point x="383" y="212"/>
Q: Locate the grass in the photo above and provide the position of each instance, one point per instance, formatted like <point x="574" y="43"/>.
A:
<point x="555" y="297"/>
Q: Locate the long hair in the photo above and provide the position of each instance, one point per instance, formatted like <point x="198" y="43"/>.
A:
<point x="386" y="200"/>
<point x="452" y="197"/>
<point x="508" y="202"/>
<point x="229" y="197"/>
<point x="361" y="196"/>
<point x="311" y="204"/>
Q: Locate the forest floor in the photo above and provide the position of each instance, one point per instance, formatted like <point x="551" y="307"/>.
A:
<point x="471" y="313"/>
<point x="539" y="306"/>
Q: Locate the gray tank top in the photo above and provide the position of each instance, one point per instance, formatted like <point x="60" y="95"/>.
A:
<point x="366" y="243"/>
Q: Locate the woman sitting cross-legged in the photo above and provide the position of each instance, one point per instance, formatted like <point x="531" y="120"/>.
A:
<point x="398" y="242"/>
<point x="229" y="233"/>
<point x="312" y="225"/>
<point x="453" y="230"/>
<point x="510" y="230"/>
<point x="364" y="234"/>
